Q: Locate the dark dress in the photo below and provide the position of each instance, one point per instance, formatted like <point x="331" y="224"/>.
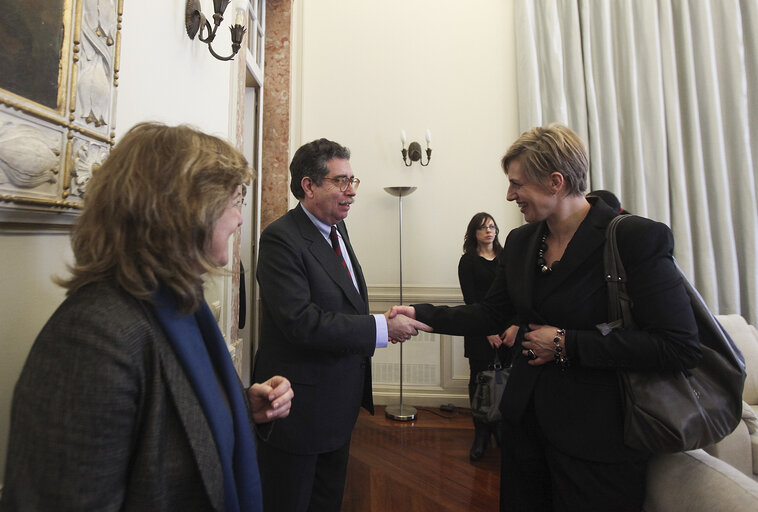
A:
<point x="475" y="275"/>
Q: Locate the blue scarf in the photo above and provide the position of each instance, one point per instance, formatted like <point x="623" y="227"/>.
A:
<point x="200" y="348"/>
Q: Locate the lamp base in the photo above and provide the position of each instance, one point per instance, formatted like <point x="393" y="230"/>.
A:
<point x="400" y="412"/>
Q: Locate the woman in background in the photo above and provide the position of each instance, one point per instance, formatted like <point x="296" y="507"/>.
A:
<point x="129" y="399"/>
<point x="476" y="270"/>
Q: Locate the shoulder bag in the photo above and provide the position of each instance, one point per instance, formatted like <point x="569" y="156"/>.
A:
<point x="672" y="412"/>
<point x="490" y="384"/>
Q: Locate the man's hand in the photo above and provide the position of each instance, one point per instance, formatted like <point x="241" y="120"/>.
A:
<point x="408" y="311"/>
<point x="401" y="327"/>
<point x="270" y="400"/>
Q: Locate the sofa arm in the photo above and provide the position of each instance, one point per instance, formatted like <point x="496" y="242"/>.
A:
<point x="735" y="449"/>
<point x="695" y="481"/>
<point x="751" y="421"/>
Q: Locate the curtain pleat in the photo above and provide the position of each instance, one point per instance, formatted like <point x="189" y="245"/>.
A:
<point x="658" y="89"/>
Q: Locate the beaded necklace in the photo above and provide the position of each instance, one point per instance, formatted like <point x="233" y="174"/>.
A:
<point x="541" y="263"/>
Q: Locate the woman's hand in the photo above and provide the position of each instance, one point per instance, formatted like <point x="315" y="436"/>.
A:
<point x="538" y="344"/>
<point x="495" y="340"/>
<point x="270" y="400"/>
<point x="509" y="336"/>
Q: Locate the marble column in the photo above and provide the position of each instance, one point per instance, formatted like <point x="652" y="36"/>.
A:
<point x="276" y="111"/>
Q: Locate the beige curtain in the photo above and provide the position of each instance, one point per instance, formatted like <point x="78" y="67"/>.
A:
<point x="665" y="94"/>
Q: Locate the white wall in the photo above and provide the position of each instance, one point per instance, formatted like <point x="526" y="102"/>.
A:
<point x="167" y="77"/>
<point x="365" y="70"/>
<point x="164" y="77"/>
<point x="27" y="298"/>
<point x="368" y="70"/>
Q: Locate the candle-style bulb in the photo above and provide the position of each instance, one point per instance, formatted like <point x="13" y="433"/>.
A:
<point x="428" y="138"/>
<point x="402" y="137"/>
<point x="240" y="5"/>
<point x="240" y="9"/>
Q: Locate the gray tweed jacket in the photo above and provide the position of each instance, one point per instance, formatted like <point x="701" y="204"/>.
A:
<point x="104" y="417"/>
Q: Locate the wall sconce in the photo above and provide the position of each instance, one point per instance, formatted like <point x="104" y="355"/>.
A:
<point x="196" y="21"/>
<point x="414" y="150"/>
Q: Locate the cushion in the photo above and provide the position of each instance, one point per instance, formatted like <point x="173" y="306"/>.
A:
<point x="735" y="449"/>
<point x="695" y="481"/>
<point x="746" y="338"/>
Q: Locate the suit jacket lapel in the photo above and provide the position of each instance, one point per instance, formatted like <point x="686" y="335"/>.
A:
<point x="193" y="420"/>
<point x="342" y="228"/>
<point x="322" y="251"/>
<point x="588" y="237"/>
<point x="520" y="272"/>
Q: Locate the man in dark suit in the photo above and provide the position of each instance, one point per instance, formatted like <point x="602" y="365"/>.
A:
<point x="317" y="331"/>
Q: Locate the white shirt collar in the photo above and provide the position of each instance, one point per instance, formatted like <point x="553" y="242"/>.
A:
<point x="324" y="228"/>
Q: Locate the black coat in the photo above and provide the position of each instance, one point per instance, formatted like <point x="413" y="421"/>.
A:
<point x="105" y="418"/>
<point x="579" y="409"/>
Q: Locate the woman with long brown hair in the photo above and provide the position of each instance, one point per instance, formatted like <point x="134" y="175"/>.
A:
<point x="476" y="271"/>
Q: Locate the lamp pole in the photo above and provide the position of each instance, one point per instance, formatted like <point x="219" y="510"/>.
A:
<point x="400" y="412"/>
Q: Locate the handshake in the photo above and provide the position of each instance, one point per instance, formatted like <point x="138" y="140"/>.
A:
<point x="402" y="323"/>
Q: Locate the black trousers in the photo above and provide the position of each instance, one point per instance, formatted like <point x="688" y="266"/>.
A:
<point x="300" y="483"/>
<point x="537" y="477"/>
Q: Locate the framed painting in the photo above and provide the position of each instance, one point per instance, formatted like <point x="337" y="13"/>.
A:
<point x="57" y="104"/>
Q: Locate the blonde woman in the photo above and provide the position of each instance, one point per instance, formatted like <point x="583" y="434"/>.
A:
<point x="563" y="444"/>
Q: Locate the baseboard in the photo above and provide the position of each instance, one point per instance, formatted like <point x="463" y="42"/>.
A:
<point x="421" y="399"/>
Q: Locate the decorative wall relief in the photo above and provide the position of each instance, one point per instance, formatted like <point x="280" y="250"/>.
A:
<point x="60" y="65"/>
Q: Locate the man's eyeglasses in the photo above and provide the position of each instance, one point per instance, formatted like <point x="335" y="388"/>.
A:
<point x="343" y="182"/>
<point x="491" y="227"/>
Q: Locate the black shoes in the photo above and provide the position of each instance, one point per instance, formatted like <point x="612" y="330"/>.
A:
<point x="482" y="433"/>
<point x="498" y="433"/>
<point x="481" y="439"/>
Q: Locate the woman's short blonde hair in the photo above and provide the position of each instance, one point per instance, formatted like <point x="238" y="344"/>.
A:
<point x="547" y="149"/>
<point x="150" y="211"/>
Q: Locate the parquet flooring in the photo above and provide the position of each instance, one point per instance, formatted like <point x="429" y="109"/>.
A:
<point x="419" y="466"/>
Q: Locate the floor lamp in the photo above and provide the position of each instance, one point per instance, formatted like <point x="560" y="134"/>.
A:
<point x="400" y="412"/>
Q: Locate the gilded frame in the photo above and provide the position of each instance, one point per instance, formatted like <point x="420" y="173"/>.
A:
<point x="54" y="135"/>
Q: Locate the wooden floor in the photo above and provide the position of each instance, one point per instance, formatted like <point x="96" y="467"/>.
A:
<point x="419" y="466"/>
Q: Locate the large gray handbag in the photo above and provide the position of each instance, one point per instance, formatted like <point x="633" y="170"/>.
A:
<point x="490" y="384"/>
<point x="672" y="412"/>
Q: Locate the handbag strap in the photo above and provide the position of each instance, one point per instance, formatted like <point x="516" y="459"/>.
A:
<point x="619" y="302"/>
<point x="496" y="364"/>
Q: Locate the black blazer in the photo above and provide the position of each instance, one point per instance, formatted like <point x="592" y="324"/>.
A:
<point x="316" y="331"/>
<point x="579" y="409"/>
